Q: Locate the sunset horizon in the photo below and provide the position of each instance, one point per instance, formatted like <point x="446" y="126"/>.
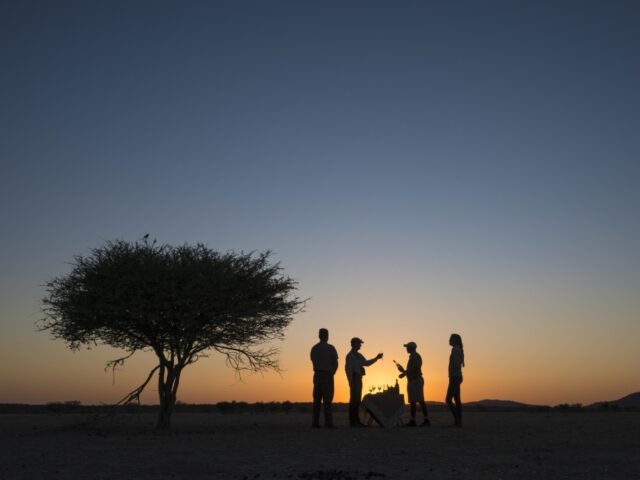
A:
<point x="209" y="381"/>
<point x="419" y="170"/>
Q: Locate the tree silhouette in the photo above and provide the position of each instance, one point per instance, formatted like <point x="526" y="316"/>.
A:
<point x="181" y="302"/>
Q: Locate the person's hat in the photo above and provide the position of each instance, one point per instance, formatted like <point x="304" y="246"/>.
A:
<point x="356" y="340"/>
<point x="411" y="345"/>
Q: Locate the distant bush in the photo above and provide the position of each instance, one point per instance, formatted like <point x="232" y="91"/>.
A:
<point x="226" y="407"/>
<point x="574" y="407"/>
<point x="232" y="407"/>
<point x="539" y="409"/>
<point x="269" y="407"/>
<point x="303" y="408"/>
<point x="64" y="407"/>
<point x="262" y="407"/>
<point x="132" y="408"/>
<point x="608" y="407"/>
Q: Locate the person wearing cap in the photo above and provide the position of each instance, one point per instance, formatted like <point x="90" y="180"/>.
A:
<point x="325" y="363"/>
<point x="354" y="367"/>
<point x="415" y="384"/>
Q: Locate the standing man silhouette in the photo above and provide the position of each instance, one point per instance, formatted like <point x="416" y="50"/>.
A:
<point x="415" y="384"/>
<point x="325" y="363"/>
<point x="354" y="367"/>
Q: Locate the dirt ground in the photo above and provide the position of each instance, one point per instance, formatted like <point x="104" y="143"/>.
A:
<point x="282" y="446"/>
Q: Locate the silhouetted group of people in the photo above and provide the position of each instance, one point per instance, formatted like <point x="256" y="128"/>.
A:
<point x="325" y="364"/>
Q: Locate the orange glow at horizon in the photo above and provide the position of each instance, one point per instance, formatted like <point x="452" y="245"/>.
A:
<point x="504" y="361"/>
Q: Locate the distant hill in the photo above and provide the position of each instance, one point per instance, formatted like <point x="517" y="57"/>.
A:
<point x="630" y="401"/>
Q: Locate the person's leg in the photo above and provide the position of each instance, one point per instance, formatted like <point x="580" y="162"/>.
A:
<point x="328" y="398"/>
<point x="352" y="401"/>
<point x="448" y="399"/>
<point x="412" y="412"/>
<point x="425" y="413"/>
<point x="317" y="397"/>
<point x="458" y="400"/>
<point x="423" y="405"/>
<point x="358" y="394"/>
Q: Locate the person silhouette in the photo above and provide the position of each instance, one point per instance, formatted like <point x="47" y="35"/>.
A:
<point x="325" y="364"/>
<point x="456" y="362"/>
<point x="415" y="384"/>
<point x="354" y="366"/>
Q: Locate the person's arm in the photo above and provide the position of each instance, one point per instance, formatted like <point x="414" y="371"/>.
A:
<point x="348" y="366"/>
<point x="373" y="360"/>
<point x="334" y="359"/>
<point x="404" y="371"/>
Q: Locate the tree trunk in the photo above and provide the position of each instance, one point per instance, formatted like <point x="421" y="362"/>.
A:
<point x="168" y="379"/>
<point x="164" y="416"/>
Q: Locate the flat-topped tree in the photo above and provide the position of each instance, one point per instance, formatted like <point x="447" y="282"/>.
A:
<point x="181" y="302"/>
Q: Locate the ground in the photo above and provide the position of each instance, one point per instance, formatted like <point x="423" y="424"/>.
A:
<point x="282" y="446"/>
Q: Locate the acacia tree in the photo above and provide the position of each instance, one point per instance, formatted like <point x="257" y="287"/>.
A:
<point x="179" y="302"/>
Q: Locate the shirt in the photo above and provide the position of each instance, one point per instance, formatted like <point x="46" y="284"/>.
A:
<point x="324" y="357"/>
<point x="414" y="366"/>
<point x="455" y="362"/>
<point x="355" y="364"/>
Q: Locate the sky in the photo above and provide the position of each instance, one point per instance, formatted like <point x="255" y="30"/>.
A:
<point x="420" y="168"/>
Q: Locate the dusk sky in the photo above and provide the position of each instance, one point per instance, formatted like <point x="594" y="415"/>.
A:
<point x="420" y="168"/>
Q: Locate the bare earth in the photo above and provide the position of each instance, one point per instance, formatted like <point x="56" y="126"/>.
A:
<point x="282" y="446"/>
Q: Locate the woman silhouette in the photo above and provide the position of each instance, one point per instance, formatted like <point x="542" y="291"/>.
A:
<point x="456" y="362"/>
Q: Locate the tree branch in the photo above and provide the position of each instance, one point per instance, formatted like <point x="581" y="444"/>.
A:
<point x="134" y="395"/>
<point x="113" y="364"/>
<point x="245" y="360"/>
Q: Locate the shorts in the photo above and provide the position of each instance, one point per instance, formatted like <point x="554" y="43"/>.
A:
<point x="415" y="390"/>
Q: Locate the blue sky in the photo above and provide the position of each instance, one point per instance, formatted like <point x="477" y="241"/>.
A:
<point x="467" y="148"/>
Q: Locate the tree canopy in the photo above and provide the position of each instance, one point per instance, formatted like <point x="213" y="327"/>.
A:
<point x="180" y="302"/>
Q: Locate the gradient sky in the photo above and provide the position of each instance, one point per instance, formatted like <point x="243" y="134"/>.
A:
<point x="420" y="168"/>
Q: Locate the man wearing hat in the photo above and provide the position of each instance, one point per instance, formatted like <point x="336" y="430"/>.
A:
<point x="325" y="363"/>
<point x="354" y="367"/>
<point x="415" y="384"/>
